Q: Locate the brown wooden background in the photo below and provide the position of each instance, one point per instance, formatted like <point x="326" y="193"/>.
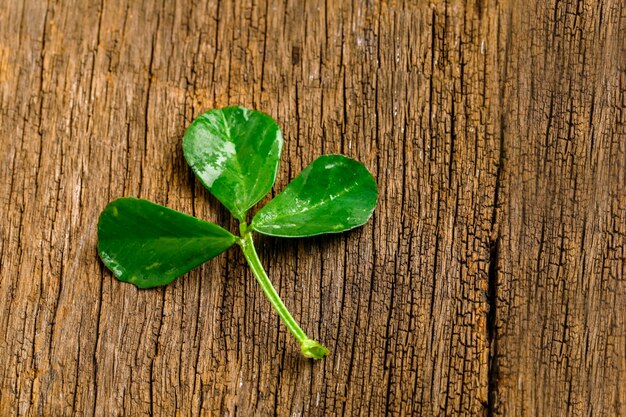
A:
<point x="490" y="281"/>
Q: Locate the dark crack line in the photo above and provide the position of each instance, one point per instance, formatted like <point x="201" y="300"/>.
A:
<point x="493" y="374"/>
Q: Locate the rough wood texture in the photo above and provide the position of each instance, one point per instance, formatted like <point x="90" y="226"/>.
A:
<point x="490" y="281"/>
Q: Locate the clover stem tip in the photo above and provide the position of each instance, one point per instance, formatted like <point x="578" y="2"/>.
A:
<point x="313" y="349"/>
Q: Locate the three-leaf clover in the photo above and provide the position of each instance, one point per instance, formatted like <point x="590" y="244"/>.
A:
<point x="235" y="153"/>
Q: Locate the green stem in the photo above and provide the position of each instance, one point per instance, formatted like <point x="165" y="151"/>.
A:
<point x="310" y="348"/>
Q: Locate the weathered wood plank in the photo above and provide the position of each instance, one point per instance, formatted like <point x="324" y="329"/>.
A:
<point x="560" y="321"/>
<point x="490" y="280"/>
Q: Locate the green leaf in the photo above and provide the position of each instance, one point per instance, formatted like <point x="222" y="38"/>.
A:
<point x="333" y="194"/>
<point x="150" y="245"/>
<point x="235" y="154"/>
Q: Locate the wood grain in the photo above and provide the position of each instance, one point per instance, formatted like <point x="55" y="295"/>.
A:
<point x="490" y="281"/>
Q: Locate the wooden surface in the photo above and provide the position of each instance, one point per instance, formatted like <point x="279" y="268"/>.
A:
<point x="490" y="281"/>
